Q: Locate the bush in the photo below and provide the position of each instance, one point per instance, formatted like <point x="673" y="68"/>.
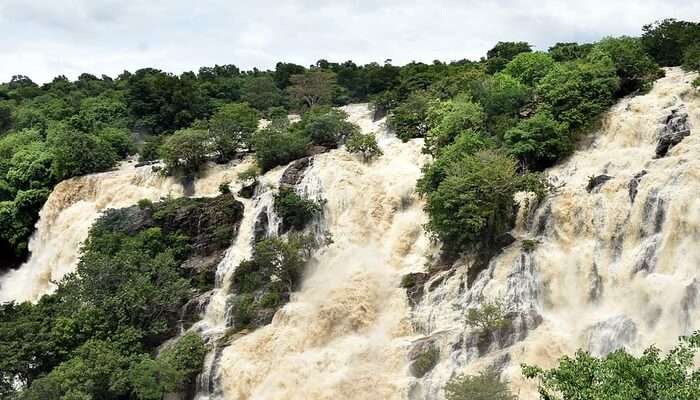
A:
<point x="485" y="386"/>
<point x="539" y="141"/>
<point x="489" y="317"/>
<point x="326" y="127"/>
<point x="408" y="120"/>
<point x="691" y="58"/>
<point x="231" y="129"/>
<point x="365" y="145"/>
<point x="623" y="376"/>
<point x="633" y="66"/>
<point x="529" y="68"/>
<point x="185" y="151"/>
<point x="294" y="210"/>
<point x="447" y="119"/>
<point x="470" y="197"/>
<point x="277" y="145"/>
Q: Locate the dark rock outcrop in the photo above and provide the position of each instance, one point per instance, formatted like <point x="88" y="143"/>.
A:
<point x="675" y="129"/>
<point x="294" y="173"/>
<point x="634" y="184"/>
<point x="595" y="182"/>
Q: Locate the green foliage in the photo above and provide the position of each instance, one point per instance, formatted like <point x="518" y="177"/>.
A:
<point x="485" y="386"/>
<point x="231" y="128"/>
<point x="579" y="91"/>
<point x="691" y="58"/>
<point x="447" y="119"/>
<point x="470" y="197"/>
<point x="365" y="145"/>
<point x="409" y="119"/>
<point x="667" y="40"/>
<point x="185" y="151"/>
<point x="620" y="375"/>
<point x="325" y="127"/>
<point x="489" y="317"/>
<point x="79" y="153"/>
<point x="294" y="210"/>
<point x="502" y="53"/>
<point x="569" y="51"/>
<point x="313" y="88"/>
<point x="277" y="145"/>
<point x="261" y="93"/>
<point x="529" y="68"/>
<point x="634" y="67"/>
<point x="539" y="140"/>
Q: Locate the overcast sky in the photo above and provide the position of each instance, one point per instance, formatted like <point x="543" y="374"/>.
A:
<point x="43" y="39"/>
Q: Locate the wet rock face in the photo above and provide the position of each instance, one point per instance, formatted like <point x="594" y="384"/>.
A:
<point x="634" y="184"/>
<point x="675" y="130"/>
<point x="610" y="335"/>
<point x="294" y="173"/>
<point x="595" y="182"/>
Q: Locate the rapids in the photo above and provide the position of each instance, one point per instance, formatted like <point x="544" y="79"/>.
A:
<point x="596" y="269"/>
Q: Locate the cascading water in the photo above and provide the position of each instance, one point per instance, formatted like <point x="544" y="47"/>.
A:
<point x="72" y="208"/>
<point x="615" y="258"/>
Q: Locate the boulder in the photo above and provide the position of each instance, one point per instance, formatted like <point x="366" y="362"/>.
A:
<point x="675" y="129"/>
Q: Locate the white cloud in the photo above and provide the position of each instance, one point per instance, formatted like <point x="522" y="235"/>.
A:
<point x="43" y="39"/>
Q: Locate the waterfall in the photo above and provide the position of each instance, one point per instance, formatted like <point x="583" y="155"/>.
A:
<point x="614" y="263"/>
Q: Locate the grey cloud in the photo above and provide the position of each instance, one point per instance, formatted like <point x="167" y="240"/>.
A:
<point x="46" y="38"/>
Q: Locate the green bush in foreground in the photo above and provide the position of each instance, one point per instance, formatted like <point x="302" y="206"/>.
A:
<point x="484" y="386"/>
<point x="620" y="375"/>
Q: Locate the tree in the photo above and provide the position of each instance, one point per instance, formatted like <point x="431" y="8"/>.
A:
<point x="365" y="145"/>
<point x="539" y="140"/>
<point x="577" y="92"/>
<point x="277" y="145"/>
<point x="633" y="66"/>
<point x="620" y="375"/>
<point x="326" y="127"/>
<point x="484" y="386"/>
<point x="312" y="88"/>
<point x="447" y="119"/>
<point x="261" y="93"/>
<point x="470" y="200"/>
<point x="409" y="119"/>
<point x="529" y="68"/>
<point x="569" y="51"/>
<point x="79" y="153"/>
<point x="231" y="129"/>
<point x="667" y="40"/>
<point x="185" y="151"/>
<point x="502" y="53"/>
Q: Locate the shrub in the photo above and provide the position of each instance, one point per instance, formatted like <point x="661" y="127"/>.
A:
<point x="529" y="68"/>
<point x="185" y="151"/>
<point x="408" y="120"/>
<point x="447" y="119"/>
<point x="231" y="129"/>
<point x="470" y="197"/>
<point x="490" y="316"/>
<point x="294" y="210"/>
<point x="365" y="145"/>
<point x="624" y="376"/>
<point x="539" y="141"/>
<point x="277" y="145"/>
<point x="485" y="386"/>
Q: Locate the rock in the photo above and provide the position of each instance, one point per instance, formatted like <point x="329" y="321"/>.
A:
<point x="595" y="182"/>
<point x="675" y="130"/>
<point x="414" y="284"/>
<point x="423" y="357"/>
<point x="634" y="184"/>
<point x="607" y="336"/>
<point x="248" y="191"/>
<point x="294" y="173"/>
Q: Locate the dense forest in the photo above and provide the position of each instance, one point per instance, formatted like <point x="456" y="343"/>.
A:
<point x="491" y="126"/>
